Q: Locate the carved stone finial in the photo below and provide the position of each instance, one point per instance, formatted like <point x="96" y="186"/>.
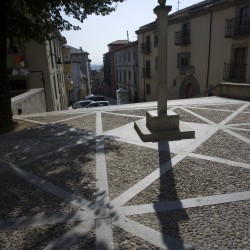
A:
<point x="162" y="2"/>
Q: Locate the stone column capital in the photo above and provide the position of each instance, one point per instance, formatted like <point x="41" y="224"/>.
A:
<point x="162" y="10"/>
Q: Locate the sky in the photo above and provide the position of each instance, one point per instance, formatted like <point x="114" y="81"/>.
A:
<point x="98" y="31"/>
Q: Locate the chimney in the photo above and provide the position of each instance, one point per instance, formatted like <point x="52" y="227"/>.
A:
<point x="80" y="48"/>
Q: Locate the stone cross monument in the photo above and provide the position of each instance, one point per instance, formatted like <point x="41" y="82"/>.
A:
<point x="162" y="124"/>
<point x="162" y="26"/>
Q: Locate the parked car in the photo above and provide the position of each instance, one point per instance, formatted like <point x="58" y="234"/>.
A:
<point x="93" y="104"/>
<point x="96" y="98"/>
<point x="81" y="104"/>
<point x="103" y="103"/>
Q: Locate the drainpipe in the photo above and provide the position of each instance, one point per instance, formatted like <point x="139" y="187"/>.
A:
<point x="209" y="48"/>
<point x="144" y="82"/>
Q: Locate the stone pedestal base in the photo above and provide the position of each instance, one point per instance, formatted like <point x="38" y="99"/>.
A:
<point x="156" y="128"/>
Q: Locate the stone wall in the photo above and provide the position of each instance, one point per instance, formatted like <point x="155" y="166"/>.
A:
<point x="32" y="101"/>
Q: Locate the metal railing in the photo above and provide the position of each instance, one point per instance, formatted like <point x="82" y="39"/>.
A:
<point x="235" y="72"/>
<point x="182" y="38"/>
<point x="239" y="26"/>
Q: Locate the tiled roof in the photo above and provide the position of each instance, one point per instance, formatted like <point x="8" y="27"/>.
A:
<point x="119" y="42"/>
<point x="201" y="6"/>
<point x="75" y="50"/>
<point x="204" y="5"/>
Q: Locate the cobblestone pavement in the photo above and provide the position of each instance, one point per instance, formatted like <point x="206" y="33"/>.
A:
<point x="83" y="179"/>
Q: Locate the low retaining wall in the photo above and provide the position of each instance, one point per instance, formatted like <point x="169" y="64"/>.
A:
<point x="235" y="90"/>
<point x="32" y="101"/>
<point x="239" y="91"/>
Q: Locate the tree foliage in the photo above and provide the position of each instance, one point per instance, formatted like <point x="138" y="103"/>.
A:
<point x="36" y="19"/>
<point x="25" y="20"/>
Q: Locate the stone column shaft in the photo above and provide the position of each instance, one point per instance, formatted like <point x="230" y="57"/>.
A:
<point x="162" y="25"/>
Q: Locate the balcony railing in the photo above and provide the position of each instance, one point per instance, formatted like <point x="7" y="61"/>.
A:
<point x="182" y="38"/>
<point x="146" y="48"/>
<point x="239" y="26"/>
<point x="234" y="72"/>
<point x="146" y="72"/>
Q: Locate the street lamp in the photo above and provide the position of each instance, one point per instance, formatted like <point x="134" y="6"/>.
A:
<point x="58" y="59"/>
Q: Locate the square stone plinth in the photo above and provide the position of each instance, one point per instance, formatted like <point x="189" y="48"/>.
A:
<point x="155" y="128"/>
<point x="157" y="123"/>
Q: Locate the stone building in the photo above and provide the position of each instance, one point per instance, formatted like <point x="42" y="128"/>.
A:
<point x="80" y="73"/>
<point x="109" y="68"/>
<point x="126" y="71"/>
<point x="45" y="66"/>
<point x="207" y="45"/>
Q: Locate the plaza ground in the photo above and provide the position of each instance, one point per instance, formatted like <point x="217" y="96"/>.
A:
<point x="83" y="179"/>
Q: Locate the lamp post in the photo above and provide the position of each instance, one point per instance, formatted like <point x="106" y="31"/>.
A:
<point x="58" y="59"/>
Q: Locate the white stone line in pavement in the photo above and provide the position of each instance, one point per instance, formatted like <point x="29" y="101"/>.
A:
<point x="72" y="118"/>
<point x="222" y="110"/>
<point x="220" y="160"/>
<point x="235" y="113"/>
<point x="49" y="187"/>
<point x="238" y="124"/>
<point x="101" y="168"/>
<point x="183" y="204"/>
<point x="72" y="236"/>
<point x="198" y="116"/>
<point x="126" y="115"/>
<point x="150" y="235"/>
<point x="148" y="180"/>
<point x="98" y="123"/>
<point x="242" y="138"/>
<point x="31" y="121"/>
<point x="237" y="129"/>
<point x="104" y="234"/>
<point x="45" y="219"/>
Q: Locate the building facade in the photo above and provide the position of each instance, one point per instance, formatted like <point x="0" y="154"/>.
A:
<point x="126" y="69"/>
<point x="45" y="66"/>
<point x="80" y="74"/>
<point x="207" y="44"/>
<point x="109" y="68"/>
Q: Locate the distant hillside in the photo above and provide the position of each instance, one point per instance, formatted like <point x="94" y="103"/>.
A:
<point x="96" y="66"/>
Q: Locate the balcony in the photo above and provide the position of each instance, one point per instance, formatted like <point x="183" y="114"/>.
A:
<point x="146" y="48"/>
<point x="237" y="27"/>
<point x="146" y="72"/>
<point x="182" y="38"/>
<point x="234" y="72"/>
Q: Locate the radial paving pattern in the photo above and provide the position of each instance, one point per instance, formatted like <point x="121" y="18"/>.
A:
<point x="84" y="180"/>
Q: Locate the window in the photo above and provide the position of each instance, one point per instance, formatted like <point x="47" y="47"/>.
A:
<point x="124" y="76"/>
<point x="183" y="60"/>
<point x="156" y="41"/>
<point x="51" y="57"/>
<point x="148" y="89"/>
<point x="135" y="78"/>
<point x="148" y="45"/>
<point x="128" y="56"/>
<point x="156" y="63"/>
<point x="147" y="69"/>
<point x="129" y="75"/>
<point x="55" y="86"/>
